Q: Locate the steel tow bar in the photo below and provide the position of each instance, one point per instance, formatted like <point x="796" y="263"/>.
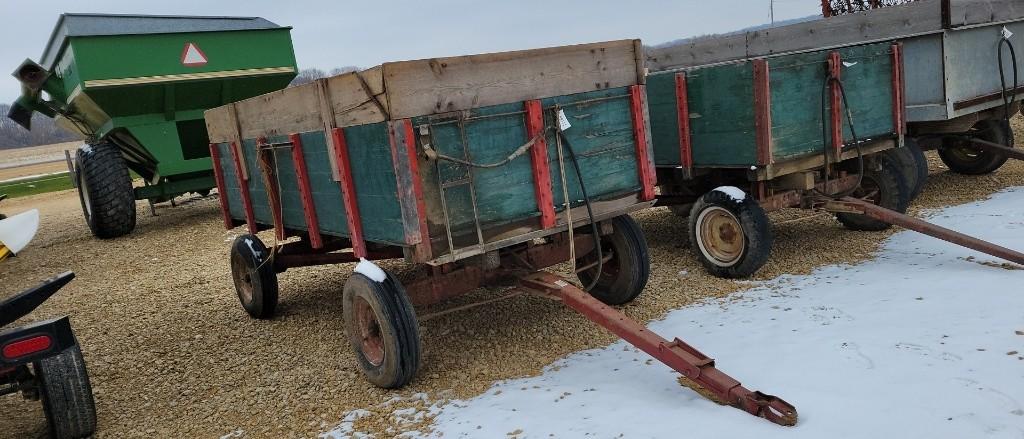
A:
<point x="933" y="230"/>
<point x="997" y="148"/>
<point x="678" y="355"/>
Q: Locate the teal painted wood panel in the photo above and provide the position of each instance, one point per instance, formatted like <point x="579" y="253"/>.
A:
<point x="797" y="83"/>
<point x="601" y="134"/>
<point x="664" y="118"/>
<point x="869" y="90"/>
<point x="257" y="193"/>
<point x="287" y="183"/>
<point x="373" y="172"/>
<point x="722" y="115"/>
<point x="330" y="206"/>
<point x="602" y="137"/>
<point x="232" y="194"/>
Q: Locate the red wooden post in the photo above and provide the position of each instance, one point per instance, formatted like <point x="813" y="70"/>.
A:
<point x="835" y="71"/>
<point x="763" y="112"/>
<point x="539" y="163"/>
<point x="243" y="188"/>
<point x="826" y="8"/>
<point x="410" y="187"/>
<point x="348" y="193"/>
<point x="222" y="192"/>
<point x="683" y="105"/>
<point x="645" y="166"/>
<point x="306" y="192"/>
<point x="898" y="106"/>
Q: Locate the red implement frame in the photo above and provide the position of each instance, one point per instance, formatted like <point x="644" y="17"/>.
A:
<point x="645" y="167"/>
<point x="243" y="188"/>
<point x="685" y="142"/>
<point x="348" y="193"/>
<point x="835" y="71"/>
<point x="850" y="204"/>
<point x="222" y="193"/>
<point x="763" y="111"/>
<point x="305" y="192"/>
<point x="676" y="354"/>
<point x="539" y="163"/>
<point x="899" y="111"/>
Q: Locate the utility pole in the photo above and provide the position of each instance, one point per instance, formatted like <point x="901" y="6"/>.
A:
<point x="771" y="8"/>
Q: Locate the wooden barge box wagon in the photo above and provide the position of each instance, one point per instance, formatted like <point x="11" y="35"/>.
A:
<point x="773" y="130"/>
<point x="480" y="170"/>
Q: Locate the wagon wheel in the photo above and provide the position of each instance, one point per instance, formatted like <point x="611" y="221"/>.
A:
<point x="254" y="276"/>
<point x="963" y="158"/>
<point x="627" y="264"/>
<point x="903" y="160"/>
<point x="731" y="237"/>
<point x="382" y="329"/>
<point x="883" y="187"/>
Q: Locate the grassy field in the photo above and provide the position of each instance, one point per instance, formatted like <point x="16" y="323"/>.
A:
<point x="39" y="185"/>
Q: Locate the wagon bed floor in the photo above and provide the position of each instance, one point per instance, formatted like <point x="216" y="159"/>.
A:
<point x="171" y="354"/>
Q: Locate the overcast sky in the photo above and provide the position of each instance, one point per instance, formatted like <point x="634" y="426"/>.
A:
<point x="334" y="33"/>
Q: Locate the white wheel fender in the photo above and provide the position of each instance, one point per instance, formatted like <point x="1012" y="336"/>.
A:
<point x="17" y="231"/>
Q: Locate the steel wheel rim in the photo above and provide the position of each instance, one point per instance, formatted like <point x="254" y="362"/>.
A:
<point x="371" y="342"/>
<point x="243" y="279"/>
<point x="720" y="236"/>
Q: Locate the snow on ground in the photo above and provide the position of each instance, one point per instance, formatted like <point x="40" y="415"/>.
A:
<point x="915" y="343"/>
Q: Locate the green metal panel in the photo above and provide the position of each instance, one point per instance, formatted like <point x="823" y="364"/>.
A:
<point x="123" y="79"/>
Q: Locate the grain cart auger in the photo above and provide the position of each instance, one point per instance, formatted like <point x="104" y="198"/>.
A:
<point x="135" y="88"/>
<point x="697" y="368"/>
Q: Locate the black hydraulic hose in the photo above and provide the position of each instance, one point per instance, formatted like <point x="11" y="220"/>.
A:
<point x="1009" y="94"/>
<point x="853" y="133"/>
<point x="590" y="211"/>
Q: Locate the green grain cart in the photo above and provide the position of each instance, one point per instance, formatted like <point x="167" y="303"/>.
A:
<point x="135" y="88"/>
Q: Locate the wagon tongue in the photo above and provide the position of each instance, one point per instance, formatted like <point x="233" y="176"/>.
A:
<point x="698" y="370"/>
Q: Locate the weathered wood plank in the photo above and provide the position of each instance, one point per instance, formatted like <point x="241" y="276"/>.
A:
<point x="973" y="12"/>
<point x="918" y="18"/>
<point x="292" y="110"/>
<point x="428" y="86"/>
<point x="352" y="104"/>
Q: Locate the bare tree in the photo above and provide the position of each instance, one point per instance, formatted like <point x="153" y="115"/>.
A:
<point x="44" y="131"/>
<point x="312" y="74"/>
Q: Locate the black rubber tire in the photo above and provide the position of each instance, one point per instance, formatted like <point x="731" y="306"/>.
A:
<point x="755" y="233"/>
<point x="893" y="194"/>
<point x="903" y="160"/>
<point x="394" y="327"/>
<point x="66" y="395"/>
<point x="922" y="165"/>
<point x="254" y="276"/>
<point x="105" y="190"/>
<point x="624" y="276"/>
<point x="961" y="158"/>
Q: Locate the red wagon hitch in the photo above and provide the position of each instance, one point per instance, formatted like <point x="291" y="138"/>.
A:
<point x="677" y="354"/>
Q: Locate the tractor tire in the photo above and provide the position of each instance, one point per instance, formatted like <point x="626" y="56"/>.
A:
<point x="624" y="276"/>
<point x="105" y="190"/>
<point x="66" y="394"/>
<point x="255" y="279"/>
<point x="382" y="329"/>
<point x="963" y="158"/>
<point x="884" y="187"/>
<point x="731" y="238"/>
